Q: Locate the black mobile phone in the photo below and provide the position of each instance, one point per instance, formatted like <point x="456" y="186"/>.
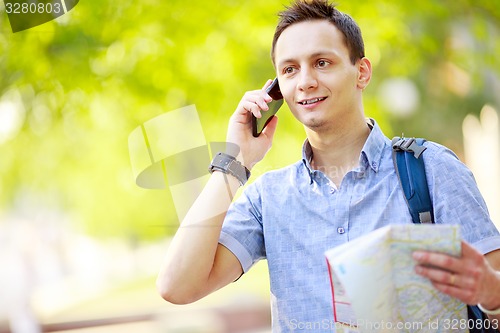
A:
<point x="274" y="91"/>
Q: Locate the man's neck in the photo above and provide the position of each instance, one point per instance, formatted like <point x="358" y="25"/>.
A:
<point x="337" y="151"/>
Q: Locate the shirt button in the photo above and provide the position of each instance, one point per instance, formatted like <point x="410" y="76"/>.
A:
<point x="332" y="189"/>
<point x="340" y="230"/>
<point x="374" y="164"/>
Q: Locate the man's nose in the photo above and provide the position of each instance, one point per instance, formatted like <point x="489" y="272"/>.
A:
<point x="307" y="80"/>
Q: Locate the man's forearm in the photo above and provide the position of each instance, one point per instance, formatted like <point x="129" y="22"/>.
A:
<point x="191" y="254"/>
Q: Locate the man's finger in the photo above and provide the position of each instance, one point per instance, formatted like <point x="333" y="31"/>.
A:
<point x="271" y="127"/>
<point x="267" y="84"/>
<point x="441" y="260"/>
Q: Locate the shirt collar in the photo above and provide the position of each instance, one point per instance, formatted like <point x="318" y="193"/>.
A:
<point x="371" y="154"/>
<point x="306" y="158"/>
<point x="374" y="146"/>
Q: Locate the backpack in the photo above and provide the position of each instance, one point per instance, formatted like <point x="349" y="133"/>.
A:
<point x="410" y="170"/>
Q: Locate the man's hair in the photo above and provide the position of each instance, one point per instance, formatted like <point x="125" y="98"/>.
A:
<point x="311" y="10"/>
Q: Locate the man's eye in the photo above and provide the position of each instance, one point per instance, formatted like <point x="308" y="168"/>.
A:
<point x="322" y="63"/>
<point x="288" y="70"/>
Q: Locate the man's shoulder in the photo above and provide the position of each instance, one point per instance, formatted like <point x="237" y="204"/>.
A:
<point x="441" y="160"/>
<point x="438" y="158"/>
<point x="438" y="153"/>
<point x="291" y="171"/>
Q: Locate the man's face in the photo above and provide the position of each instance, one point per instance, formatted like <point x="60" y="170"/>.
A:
<point x="316" y="76"/>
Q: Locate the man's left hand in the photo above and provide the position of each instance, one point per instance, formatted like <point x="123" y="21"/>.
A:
<point x="469" y="278"/>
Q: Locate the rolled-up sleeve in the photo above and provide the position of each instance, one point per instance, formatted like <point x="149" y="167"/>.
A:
<point x="242" y="231"/>
<point x="457" y="199"/>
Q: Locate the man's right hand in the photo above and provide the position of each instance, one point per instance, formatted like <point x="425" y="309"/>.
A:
<point x="252" y="149"/>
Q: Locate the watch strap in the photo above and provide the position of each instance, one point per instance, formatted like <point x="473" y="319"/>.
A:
<point x="229" y="165"/>
<point x="489" y="312"/>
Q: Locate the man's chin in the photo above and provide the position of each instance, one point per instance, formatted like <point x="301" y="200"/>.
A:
<point x="310" y="121"/>
<point x="314" y="124"/>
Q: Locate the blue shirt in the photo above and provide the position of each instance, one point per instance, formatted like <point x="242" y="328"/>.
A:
<point x="293" y="215"/>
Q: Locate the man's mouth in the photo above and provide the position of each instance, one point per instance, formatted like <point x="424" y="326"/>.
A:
<point x="311" y="101"/>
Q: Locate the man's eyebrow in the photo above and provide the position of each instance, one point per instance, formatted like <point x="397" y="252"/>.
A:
<point x="326" y="53"/>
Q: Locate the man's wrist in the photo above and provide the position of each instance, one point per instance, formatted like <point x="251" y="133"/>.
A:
<point x="228" y="164"/>
<point x="491" y="305"/>
<point x="494" y="311"/>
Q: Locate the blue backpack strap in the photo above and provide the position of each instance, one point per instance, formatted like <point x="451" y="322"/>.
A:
<point x="410" y="169"/>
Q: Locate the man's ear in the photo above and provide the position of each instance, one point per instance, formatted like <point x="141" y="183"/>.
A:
<point x="364" y="73"/>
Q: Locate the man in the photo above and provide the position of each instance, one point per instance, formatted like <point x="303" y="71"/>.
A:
<point x="344" y="187"/>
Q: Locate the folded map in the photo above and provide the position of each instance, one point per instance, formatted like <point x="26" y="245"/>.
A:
<point x="375" y="287"/>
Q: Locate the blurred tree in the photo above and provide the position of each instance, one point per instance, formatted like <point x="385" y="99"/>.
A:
<point x="71" y="91"/>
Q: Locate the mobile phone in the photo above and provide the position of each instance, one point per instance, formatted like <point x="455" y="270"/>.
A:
<point x="274" y="91"/>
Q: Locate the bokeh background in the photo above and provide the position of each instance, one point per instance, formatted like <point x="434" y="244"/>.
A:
<point x="80" y="242"/>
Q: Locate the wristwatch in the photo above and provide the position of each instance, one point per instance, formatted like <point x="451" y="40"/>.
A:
<point x="490" y="312"/>
<point x="229" y="165"/>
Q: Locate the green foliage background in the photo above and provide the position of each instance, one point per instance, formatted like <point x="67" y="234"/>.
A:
<point x="89" y="78"/>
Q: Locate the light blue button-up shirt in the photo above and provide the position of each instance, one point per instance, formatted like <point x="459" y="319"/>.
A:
<point x="293" y="215"/>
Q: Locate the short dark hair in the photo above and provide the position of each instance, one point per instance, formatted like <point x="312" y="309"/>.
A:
<point x="310" y="10"/>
